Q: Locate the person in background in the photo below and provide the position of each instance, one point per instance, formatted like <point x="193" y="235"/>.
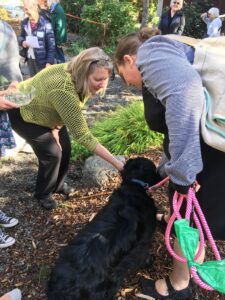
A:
<point x="36" y="28"/>
<point x="58" y="19"/>
<point x="6" y="142"/>
<point x="9" y="54"/>
<point x="213" y="22"/>
<point x="9" y="71"/>
<point x="173" y="21"/>
<point x="13" y="295"/>
<point x="173" y="97"/>
<point x="61" y="92"/>
<point x="44" y="10"/>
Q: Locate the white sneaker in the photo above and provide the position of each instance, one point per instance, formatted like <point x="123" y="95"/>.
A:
<point x="15" y="294"/>
<point x="6" y="221"/>
<point x="6" y="240"/>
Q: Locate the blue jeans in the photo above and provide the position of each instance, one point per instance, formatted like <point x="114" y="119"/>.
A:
<point x="59" y="55"/>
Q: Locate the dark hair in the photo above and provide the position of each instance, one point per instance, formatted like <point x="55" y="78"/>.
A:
<point x="130" y="43"/>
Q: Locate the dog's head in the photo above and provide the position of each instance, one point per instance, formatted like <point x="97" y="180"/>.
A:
<point x="142" y="169"/>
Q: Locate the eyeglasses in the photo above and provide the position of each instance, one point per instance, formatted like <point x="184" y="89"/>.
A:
<point x="103" y="63"/>
<point x="178" y="3"/>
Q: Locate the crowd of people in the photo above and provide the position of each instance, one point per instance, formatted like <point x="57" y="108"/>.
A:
<point x="160" y="67"/>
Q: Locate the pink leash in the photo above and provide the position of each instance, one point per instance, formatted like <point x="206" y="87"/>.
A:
<point x="200" y="222"/>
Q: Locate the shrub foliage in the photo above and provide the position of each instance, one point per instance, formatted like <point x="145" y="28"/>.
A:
<point x="118" y="19"/>
<point x="122" y="132"/>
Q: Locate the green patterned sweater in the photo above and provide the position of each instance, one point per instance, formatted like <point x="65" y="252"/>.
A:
<point x="56" y="103"/>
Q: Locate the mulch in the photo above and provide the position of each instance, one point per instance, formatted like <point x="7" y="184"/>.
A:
<point x="41" y="234"/>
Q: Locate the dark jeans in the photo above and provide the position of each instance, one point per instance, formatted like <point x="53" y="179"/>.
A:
<point x="53" y="163"/>
<point x="59" y="55"/>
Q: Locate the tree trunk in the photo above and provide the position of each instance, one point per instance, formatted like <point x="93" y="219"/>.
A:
<point x="159" y="8"/>
<point x="144" y="21"/>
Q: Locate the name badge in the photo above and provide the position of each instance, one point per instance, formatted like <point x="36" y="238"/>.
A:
<point x="40" y="34"/>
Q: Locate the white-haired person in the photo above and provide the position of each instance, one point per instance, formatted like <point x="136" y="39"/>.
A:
<point x="61" y="92"/>
<point x="173" y="20"/>
<point x="213" y="22"/>
<point x="9" y="71"/>
<point x="6" y="142"/>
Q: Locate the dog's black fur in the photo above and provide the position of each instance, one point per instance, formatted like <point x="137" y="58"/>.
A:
<point x="114" y="244"/>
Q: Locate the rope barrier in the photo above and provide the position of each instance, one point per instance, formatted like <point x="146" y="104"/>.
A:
<point x="90" y="21"/>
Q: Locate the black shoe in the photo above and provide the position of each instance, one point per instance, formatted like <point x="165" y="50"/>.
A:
<point x="66" y="190"/>
<point x="148" y="289"/>
<point x="47" y="203"/>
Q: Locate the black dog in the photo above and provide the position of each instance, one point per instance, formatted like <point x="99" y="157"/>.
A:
<point x="114" y="244"/>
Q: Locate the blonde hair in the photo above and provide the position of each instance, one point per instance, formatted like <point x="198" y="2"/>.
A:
<point x="44" y="4"/>
<point x="130" y="43"/>
<point x="84" y="65"/>
<point x="31" y="6"/>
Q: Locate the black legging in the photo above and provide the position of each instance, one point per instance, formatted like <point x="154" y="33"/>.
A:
<point x="53" y="163"/>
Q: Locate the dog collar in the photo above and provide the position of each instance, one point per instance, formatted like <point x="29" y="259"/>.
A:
<point x="143" y="184"/>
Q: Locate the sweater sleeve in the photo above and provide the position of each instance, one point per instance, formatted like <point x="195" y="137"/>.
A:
<point x="67" y="106"/>
<point x="50" y="42"/>
<point x="180" y="29"/>
<point x="170" y="77"/>
<point x="22" y="36"/>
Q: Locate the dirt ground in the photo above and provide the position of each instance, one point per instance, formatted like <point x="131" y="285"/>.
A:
<point x="40" y="234"/>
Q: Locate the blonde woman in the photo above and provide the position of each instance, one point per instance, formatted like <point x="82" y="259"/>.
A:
<point x="62" y="91"/>
<point x="213" y="22"/>
<point x="173" y="21"/>
<point x="37" y="37"/>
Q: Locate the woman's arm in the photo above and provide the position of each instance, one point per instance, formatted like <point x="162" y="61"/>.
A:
<point x="23" y="34"/>
<point x="106" y="155"/>
<point x="204" y="18"/>
<point x="180" y="29"/>
<point x="67" y="106"/>
<point x="49" y="43"/>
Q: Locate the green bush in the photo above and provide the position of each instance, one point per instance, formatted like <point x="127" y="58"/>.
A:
<point x="153" y="18"/>
<point x="122" y="132"/>
<point x="119" y="20"/>
<point x="75" y="8"/>
<point x="195" y="27"/>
